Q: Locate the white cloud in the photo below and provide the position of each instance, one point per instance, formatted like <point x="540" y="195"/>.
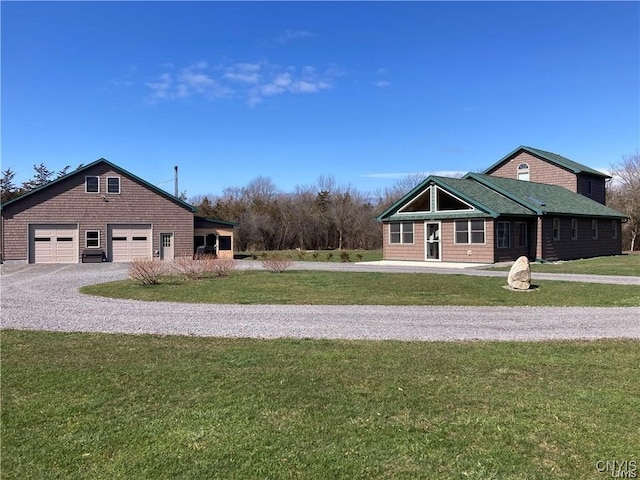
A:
<point x="252" y="81"/>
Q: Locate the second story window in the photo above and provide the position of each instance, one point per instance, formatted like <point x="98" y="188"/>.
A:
<point x="113" y="185"/>
<point x="523" y="171"/>
<point x="92" y="184"/>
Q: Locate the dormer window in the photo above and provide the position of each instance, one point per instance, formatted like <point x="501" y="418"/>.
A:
<point x="523" y="172"/>
<point x="92" y="184"/>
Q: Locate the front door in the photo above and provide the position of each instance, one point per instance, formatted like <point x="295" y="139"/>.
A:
<point x="432" y="239"/>
<point x="166" y="246"/>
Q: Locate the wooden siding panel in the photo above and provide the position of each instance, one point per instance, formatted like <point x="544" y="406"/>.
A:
<point x="66" y="201"/>
<point x="592" y="187"/>
<point x="585" y="246"/>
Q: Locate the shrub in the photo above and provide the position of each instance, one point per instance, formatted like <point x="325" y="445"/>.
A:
<point x="276" y="263"/>
<point x="221" y="267"/>
<point x="344" y="256"/>
<point x="301" y="254"/>
<point x="329" y="255"/>
<point x="146" y="271"/>
<point x="359" y="257"/>
<point x="190" y="268"/>
<point x="315" y="255"/>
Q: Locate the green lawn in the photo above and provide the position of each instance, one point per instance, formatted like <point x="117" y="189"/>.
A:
<point x="354" y="288"/>
<point x="627" y="265"/>
<point x="92" y="406"/>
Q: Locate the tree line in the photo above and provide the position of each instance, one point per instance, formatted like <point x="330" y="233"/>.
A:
<point x="326" y="215"/>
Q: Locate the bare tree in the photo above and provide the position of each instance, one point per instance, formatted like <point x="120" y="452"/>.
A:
<point x="625" y="196"/>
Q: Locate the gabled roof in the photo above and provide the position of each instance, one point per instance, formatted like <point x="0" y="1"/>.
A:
<point x="544" y="199"/>
<point x="113" y="166"/>
<point x="552" y="158"/>
<point x="486" y="202"/>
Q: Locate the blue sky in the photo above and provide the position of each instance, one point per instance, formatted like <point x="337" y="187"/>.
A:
<point x="363" y="91"/>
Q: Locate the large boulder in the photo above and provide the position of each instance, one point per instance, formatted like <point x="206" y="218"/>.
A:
<point x="520" y="274"/>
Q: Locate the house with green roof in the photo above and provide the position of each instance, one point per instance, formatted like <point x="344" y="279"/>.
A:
<point x="102" y="212"/>
<point x="505" y="213"/>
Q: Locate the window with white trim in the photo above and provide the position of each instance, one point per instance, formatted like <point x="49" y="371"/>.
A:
<point x="92" y="184"/>
<point x="614" y="229"/>
<point x="521" y="235"/>
<point x="594" y="229"/>
<point x="556" y="229"/>
<point x="574" y="229"/>
<point x="523" y="172"/>
<point x="113" y="184"/>
<point x="469" y="231"/>
<point x="503" y="234"/>
<point x="401" y="232"/>
<point x="422" y="203"/>
<point x="92" y="239"/>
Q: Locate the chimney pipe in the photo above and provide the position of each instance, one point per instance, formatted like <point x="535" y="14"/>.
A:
<point x="176" y="179"/>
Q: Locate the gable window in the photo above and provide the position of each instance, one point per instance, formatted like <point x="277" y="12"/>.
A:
<point x="594" y="229"/>
<point x="523" y="171"/>
<point x="401" y="232"/>
<point x="92" y="239"/>
<point x="446" y="202"/>
<point x="92" y="184"/>
<point x="422" y="203"/>
<point x="521" y="237"/>
<point x="504" y="234"/>
<point x="469" y="231"/>
<point x="574" y="229"/>
<point x="614" y="229"/>
<point x="556" y="229"/>
<point x="113" y="184"/>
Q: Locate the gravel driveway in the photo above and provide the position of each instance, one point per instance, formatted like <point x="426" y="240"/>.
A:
<point x="46" y="297"/>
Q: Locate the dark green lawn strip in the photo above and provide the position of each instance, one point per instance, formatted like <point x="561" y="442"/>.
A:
<point x="625" y="265"/>
<point x="352" y="288"/>
<point x="120" y="407"/>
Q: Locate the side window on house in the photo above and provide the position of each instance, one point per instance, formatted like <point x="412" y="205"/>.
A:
<point x="92" y="184"/>
<point x="113" y="185"/>
<point x="469" y="231"/>
<point x="401" y="232"/>
<point x="224" y="242"/>
<point x="556" y="229"/>
<point x="523" y="171"/>
<point x="594" y="229"/>
<point x="614" y="229"/>
<point x="574" y="229"/>
<point x="504" y="234"/>
<point x="92" y="239"/>
<point x="521" y="237"/>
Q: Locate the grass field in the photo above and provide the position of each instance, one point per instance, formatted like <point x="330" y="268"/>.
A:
<point x="91" y="406"/>
<point x="628" y="264"/>
<point x="354" y="288"/>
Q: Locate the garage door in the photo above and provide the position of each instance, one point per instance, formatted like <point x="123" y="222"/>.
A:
<point x="53" y="243"/>
<point x="130" y="241"/>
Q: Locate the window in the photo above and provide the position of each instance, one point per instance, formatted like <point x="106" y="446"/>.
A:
<point x="521" y="237"/>
<point x="504" y="234"/>
<point x="614" y="229"/>
<point x="447" y="202"/>
<point x="523" y="171"/>
<point x="113" y="184"/>
<point x="590" y="187"/>
<point x="469" y="231"/>
<point x="556" y="229"/>
<point x="92" y="239"/>
<point x="92" y="184"/>
<point x="574" y="229"/>
<point x="224" y="242"/>
<point x="401" y="232"/>
<point x="594" y="229"/>
<point x="422" y="203"/>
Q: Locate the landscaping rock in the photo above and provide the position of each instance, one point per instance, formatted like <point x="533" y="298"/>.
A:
<point x="520" y="274"/>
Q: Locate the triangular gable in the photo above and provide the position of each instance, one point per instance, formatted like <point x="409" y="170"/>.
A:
<point x="113" y="166"/>
<point x="553" y="158"/>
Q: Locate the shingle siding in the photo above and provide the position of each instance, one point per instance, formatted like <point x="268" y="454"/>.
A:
<point x="540" y="171"/>
<point x="67" y="202"/>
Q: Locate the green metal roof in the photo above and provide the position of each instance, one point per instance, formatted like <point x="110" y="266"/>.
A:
<point x="84" y="168"/>
<point x="545" y="199"/>
<point x="553" y="158"/>
<point x="205" y="220"/>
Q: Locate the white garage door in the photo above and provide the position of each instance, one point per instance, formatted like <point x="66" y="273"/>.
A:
<point x="53" y="243"/>
<point x="129" y="242"/>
